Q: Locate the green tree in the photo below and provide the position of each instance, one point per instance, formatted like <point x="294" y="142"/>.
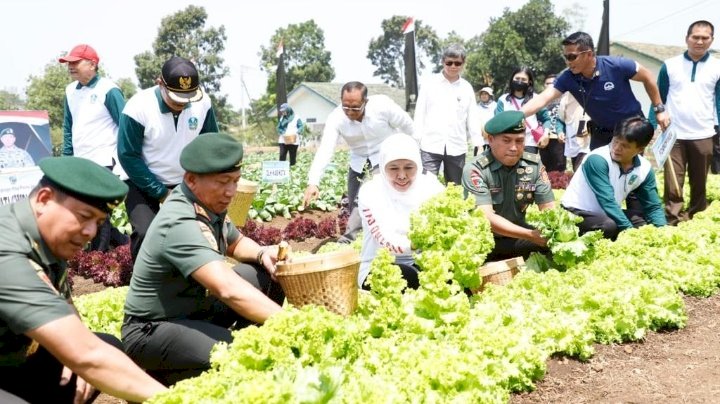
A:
<point x="530" y="36"/>
<point x="184" y="34"/>
<point x="305" y="57"/>
<point x="127" y="86"/>
<point x="386" y="51"/>
<point x="47" y="92"/>
<point x="10" y="101"/>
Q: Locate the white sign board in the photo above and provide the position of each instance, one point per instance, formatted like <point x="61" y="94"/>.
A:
<point x="662" y="146"/>
<point x="275" y="171"/>
<point x="16" y="184"/>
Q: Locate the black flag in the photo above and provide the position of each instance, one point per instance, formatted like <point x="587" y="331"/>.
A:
<point x="411" y="87"/>
<point x="603" y="47"/>
<point x="280" y="89"/>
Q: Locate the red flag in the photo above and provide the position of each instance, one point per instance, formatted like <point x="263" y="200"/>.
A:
<point x="409" y="26"/>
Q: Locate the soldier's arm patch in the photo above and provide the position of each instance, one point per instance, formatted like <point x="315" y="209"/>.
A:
<point x="475" y="178"/>
<point x="544" y="175"/>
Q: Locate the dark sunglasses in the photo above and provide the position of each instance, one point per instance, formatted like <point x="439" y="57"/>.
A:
<point x="453" y="63"/>
<point x="572" y="56"/>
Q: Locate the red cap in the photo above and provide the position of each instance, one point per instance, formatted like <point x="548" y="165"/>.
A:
<point x="81" y="52"/>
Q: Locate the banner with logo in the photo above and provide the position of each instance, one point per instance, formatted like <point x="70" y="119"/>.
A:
<point x="16" y="184"/>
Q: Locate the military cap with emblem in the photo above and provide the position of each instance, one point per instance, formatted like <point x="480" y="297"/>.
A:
<point x="7" y="131"/>
<point x="212" y="153"/>
<point x="84" y="180"/>
<point x="181" y="79"/>
<point x="512" y="122"/>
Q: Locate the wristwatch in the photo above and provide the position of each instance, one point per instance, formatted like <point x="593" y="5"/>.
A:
<point x="659" y="108"/>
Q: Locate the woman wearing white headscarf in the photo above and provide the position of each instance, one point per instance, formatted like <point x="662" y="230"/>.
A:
<point x="386" y="201"/>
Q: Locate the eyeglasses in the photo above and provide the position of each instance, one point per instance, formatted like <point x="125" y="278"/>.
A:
<point x="453" y="63"/>
<point x="572" y="56"/>
<point x="354" y="109"/>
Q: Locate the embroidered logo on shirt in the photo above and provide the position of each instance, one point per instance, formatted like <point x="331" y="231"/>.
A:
<point x="609" y="86"/>
<point x="193" y="123"/>
<point x="632" y="179"/>
<point x="475" y="178"/>
<point x="93" y="98"/>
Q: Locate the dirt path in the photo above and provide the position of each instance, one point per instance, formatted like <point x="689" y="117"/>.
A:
<point x="671" y="367"/>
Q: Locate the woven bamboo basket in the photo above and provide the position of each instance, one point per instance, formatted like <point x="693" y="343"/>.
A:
<point x="328" y="280"/>
<point x="499" y="272"/>
<point x="240" y="204"/>
<point x="290" y="139"/>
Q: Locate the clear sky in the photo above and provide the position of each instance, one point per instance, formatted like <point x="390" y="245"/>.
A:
<point x="36" y="32"/>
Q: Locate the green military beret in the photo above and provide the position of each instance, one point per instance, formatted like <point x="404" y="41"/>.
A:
<point x="212" y="153"/>
<point x="84" y="180"/>
<point x="506" y="122"/>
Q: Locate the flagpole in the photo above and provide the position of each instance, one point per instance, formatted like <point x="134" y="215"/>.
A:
<point x="411" y="87"/>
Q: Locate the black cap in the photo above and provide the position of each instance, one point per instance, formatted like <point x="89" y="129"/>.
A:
<point x="181" y="79"/>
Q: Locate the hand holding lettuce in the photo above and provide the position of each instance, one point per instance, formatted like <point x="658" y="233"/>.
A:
<point x="568" y="248"/>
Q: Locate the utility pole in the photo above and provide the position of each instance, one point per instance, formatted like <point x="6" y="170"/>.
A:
<point x="243" y="94"/>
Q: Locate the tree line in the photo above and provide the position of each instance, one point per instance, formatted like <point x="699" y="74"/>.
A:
<point x="529" y="36"/>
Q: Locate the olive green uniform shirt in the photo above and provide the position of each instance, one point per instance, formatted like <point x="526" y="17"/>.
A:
<point x="27" y="301"/>
<point x="183" y="237"/>
<point x="509" y="189"/>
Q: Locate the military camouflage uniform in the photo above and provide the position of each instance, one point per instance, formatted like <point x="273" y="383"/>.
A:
<point x="14" y="157"/>
<point x="510" y="190"/>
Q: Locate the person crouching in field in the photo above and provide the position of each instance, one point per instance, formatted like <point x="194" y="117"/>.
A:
<point x="505" y="180"/>
<point x="46" y="353"/>
<point x="606" y="177"/>
<point x="386" y="201"/>
<point x="184" y="296"/>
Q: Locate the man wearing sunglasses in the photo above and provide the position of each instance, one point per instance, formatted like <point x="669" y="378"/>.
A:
<point x="601" y="84"/>
<point x="363" y="123"/>
<point x="446" y="117"/>
<point x="155" y="125"/>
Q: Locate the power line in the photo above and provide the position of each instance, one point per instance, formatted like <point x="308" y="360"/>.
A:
<point x="673" y="14"/>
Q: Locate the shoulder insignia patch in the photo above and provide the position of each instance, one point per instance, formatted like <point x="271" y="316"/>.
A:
<point x="532" y="157"/>
<point x="200" y="211"/>
<point x="475" y="177"/>
<point x="483" y="161"/>
<point x="208" y="234"/>
<point x="544" y="175"/>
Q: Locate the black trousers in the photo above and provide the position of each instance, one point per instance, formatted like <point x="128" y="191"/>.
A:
<point x="553" y="156"/>
<point x="38" y="379"/>
<point x="177" y="349"/>
<point x="141" y="209"/>
<point x="409" y="273"/>
<point x="601" y="221"/>
<point x="715" y="163"/>
<point x="291" y="149"/>
<point x="599" y="137"/>
<point x="452" y="165"/>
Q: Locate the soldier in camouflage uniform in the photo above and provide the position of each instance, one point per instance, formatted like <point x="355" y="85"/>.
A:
<point x="12" y="156"/>
<point x="505" y="181"/>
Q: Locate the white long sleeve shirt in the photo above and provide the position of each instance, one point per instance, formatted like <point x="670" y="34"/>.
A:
<point x="447" y="116"/>
<point x="382" y="118"/>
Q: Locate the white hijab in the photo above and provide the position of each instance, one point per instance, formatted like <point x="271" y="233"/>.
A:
<point x="401" y="147"/>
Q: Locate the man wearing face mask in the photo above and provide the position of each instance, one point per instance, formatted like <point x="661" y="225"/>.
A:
<point x="446" y="118"/>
